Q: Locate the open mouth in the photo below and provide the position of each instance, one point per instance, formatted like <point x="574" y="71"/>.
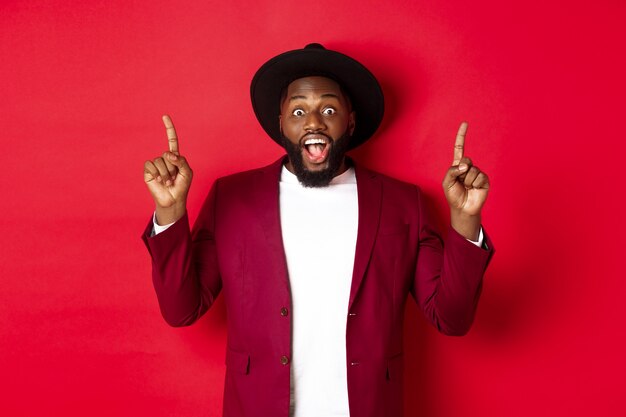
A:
<point x="315" y="148"/>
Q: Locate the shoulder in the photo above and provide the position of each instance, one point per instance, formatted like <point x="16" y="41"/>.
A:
<point x="388" y="183"/>
<point x="242" y="180"/>
<point x="397" y="196"/>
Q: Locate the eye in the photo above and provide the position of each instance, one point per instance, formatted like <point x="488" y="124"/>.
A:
<point x="298" y="112"/>
<point x="329" y="111"/>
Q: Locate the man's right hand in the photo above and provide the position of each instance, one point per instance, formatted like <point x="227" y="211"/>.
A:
<point x="168" y="178"/>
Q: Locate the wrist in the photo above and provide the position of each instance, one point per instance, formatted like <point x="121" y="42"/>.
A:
<point x="167" y="215"/>
<point x="467" y="225"/>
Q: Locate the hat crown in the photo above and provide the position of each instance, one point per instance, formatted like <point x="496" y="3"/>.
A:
<point x="315" y="46"/>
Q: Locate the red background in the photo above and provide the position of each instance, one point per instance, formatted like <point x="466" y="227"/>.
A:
<point x="83" y="86"/>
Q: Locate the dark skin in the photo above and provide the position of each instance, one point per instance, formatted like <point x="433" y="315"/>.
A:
<point x="316" y="111"/>
<point x="168" y="178"/>
<point x="465" y="187"/>
<point x="315" y="108"/>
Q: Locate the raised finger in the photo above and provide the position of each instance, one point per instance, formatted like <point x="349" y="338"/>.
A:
<point x="459" y="144"/>
<point x="172" y="138"/>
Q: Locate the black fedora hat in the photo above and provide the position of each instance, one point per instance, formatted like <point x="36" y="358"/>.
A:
<point x="276" y="74"/>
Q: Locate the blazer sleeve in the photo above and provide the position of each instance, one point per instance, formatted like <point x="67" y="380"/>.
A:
<point x="448" y="278"/>
<point x="185" y="271"/>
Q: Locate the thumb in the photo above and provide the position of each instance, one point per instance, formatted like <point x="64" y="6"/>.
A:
<point x="453" y="173"/>
<point x="180" y="162"/>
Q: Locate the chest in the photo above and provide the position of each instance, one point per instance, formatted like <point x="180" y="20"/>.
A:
<point x="319" y="224"/>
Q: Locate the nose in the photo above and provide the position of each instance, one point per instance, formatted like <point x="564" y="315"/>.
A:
<point x="314" y="122"/>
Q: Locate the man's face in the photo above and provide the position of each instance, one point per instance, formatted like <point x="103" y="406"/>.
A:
<point x="316" y="122"/>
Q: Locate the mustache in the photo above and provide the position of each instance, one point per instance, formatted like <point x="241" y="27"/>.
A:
<point x="321" y="178"/>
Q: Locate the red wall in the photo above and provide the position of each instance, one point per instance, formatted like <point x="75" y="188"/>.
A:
<point x="82" y="89"/>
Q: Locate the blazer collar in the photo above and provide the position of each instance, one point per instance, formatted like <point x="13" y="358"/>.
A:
<point x="266" y="203"/>
<point x="369" y="187"/>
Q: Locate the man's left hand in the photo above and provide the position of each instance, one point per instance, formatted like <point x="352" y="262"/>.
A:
<point x="466" y="189"/>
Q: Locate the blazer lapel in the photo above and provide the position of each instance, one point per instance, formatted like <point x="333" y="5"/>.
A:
<point x="369" y="190"/>
<point x="266" y="204"/>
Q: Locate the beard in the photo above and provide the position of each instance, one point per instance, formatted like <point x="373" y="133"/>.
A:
<point x="321" y="178"/>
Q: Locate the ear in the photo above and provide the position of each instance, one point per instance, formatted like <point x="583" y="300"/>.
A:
<point x="280" y="123"/>
<point x="352" y="122"/>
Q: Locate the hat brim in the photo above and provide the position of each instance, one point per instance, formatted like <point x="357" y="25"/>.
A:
<point x="359" y="83"/>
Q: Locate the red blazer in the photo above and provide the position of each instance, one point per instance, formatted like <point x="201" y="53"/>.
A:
<point x="236" y="248"/>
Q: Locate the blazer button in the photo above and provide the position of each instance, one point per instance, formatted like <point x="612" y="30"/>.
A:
<point x="284" y="311"/>
<point x="284" y="360"/>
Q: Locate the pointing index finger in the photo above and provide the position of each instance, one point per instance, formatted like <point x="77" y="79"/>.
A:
<point x="459" y="144"/>
<point x="172" y="138"/>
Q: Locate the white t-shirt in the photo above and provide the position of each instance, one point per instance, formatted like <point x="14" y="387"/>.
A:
<point x="319" y="228"/>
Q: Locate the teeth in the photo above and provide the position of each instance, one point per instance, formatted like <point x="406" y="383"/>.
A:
<point x="314" y="141"/>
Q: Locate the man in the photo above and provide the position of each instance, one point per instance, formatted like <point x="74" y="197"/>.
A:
<point x="314" y="254"/>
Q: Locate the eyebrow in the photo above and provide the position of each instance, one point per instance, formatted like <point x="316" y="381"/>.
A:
<point x="323" y="96"/>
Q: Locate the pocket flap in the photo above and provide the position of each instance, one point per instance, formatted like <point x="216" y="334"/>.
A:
<point x="395" y="366"/>
<point x="237" y="361"/>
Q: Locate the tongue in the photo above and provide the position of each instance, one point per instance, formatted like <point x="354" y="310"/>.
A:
<point x="316" y="150"/>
